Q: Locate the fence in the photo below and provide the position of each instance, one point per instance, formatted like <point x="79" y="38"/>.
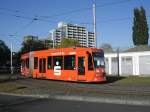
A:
<point x="130" y="63"/>
<point x="7" y="70"/>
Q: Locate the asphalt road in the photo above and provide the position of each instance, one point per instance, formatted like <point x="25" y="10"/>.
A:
<point x="26" y="104"/>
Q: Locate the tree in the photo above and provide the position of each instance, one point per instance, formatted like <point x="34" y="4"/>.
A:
<point x="67" y="42"/>
<point x="4" y="53"/>
<point x="140" y="27"/>
<point x="32" y="45"/>
<point x="106" y="47"/>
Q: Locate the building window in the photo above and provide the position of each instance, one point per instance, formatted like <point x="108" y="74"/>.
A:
<point x="49" y="62"/>
<point x="35" y="62"/>
<point x="69" y="62"/>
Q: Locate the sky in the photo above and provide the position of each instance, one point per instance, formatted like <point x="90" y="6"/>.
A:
<point x="114" y="19"/>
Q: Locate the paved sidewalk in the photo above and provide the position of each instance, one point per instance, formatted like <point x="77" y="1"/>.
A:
<point x="107" y="92"/>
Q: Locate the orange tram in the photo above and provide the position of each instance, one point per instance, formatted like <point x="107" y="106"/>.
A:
<point x="68" y="64"/>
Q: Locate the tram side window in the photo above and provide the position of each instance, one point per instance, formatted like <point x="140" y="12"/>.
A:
<point x="27" y="62"/>
<point x="58" y="61"/>
<point x="69" y="62"/>
<point x="81" y="65"/>
<point x="35" y="62"/>
<point x="90" y="63"/>
<point x="49" y="62"/>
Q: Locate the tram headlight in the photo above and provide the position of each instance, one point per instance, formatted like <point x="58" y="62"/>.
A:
<point x="100" y="70"/>
<point x="97" y="70"/>
<point x="98" y="75"/>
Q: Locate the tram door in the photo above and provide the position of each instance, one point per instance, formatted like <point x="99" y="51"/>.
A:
<point x="42" y="65"/>
<point x="81" y="68"/>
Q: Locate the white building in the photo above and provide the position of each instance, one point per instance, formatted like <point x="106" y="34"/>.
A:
<point x="130" y="63"/>
<point x="73" y="31"/>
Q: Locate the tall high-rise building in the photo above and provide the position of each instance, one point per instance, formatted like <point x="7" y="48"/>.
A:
<point x="73" y="31"/>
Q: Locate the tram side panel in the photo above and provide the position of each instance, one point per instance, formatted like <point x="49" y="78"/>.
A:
<point x="25" y="65"/>
<point x="31" y="60"/>
<point x="88" y="65"/>
<point x="35" y="65"/>
<point x="69" y="71"/>
<point x="58" y="70"/>
<point x="43" y="65"/>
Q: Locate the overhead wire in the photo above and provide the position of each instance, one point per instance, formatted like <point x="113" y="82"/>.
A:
<point x="88" y="8"/>
<point x="25" y="26"/>
<point x="64" y="13"/>
<point x="27" y="18"/>
<point x="10" y="36"/>
<point x="45" y="18"/>
<point x="35" y="18"/>
<point x="73" y="11"/>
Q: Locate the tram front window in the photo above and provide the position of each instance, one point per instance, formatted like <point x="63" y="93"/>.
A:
<point x="98" y="59"/>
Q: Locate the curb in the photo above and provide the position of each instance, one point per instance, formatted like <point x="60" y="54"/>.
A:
<point x="86" y="99"/>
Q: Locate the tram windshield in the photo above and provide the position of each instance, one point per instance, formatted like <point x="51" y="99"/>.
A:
<point x="98" y="59"/>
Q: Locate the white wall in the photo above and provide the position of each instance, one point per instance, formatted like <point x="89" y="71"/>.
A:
<point x="130" y="63"/>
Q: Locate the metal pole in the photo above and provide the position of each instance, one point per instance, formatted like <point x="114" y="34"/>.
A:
<point x="94" y="23"/>
<point x="118" y="62"/>
<point x="11" y="64"/>
<point x="53" y="43"/>
<point x="53" y="39"/>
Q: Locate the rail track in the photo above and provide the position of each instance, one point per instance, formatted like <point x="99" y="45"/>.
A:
<point x="62" y="86"/>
